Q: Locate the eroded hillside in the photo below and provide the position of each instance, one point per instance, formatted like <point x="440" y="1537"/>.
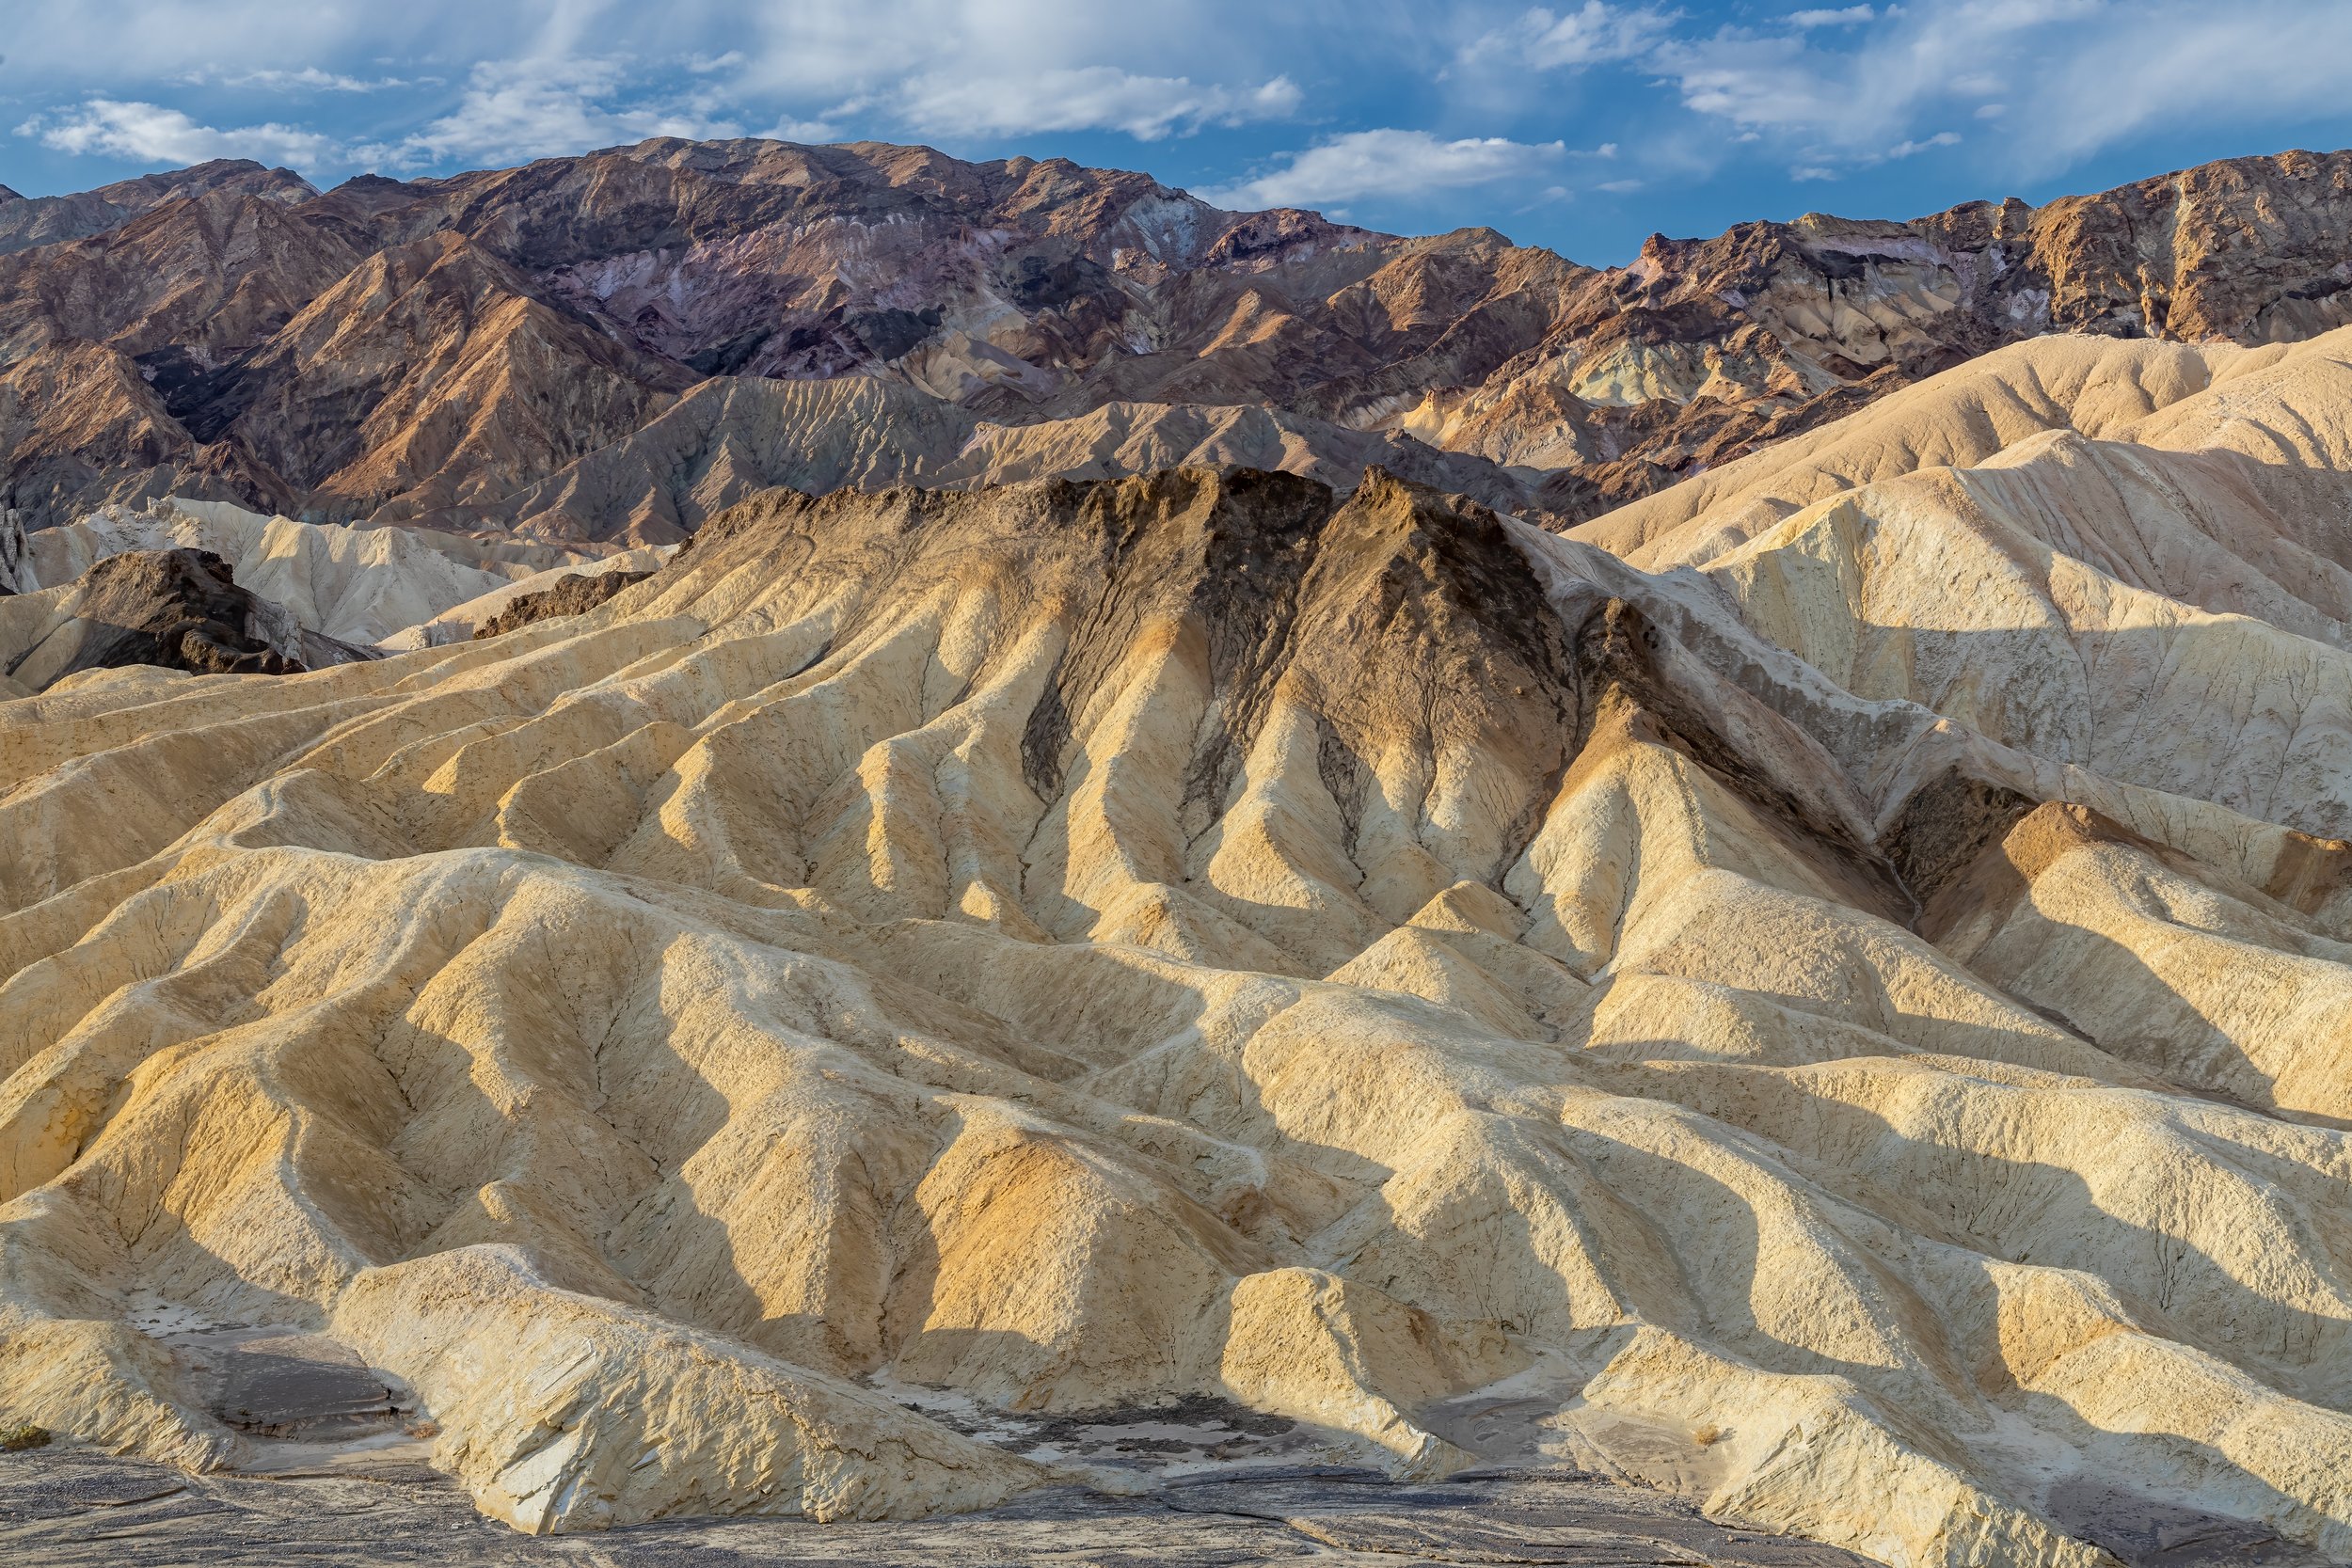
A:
<point x="1846" y="988"/>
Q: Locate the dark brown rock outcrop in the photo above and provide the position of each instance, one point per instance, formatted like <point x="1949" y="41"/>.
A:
<point x="174" y="610"/>
<point x="180" y="610"/>
<point x="575" y="594"/>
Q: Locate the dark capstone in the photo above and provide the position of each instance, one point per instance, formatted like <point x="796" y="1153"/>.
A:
<point x="180" y="609"/>
<point x="575" y="594"/>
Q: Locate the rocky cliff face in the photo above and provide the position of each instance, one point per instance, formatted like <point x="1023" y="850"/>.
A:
<point x="488" y="349"/>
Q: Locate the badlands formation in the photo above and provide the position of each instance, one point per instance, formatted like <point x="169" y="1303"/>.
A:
<point x="356" y="584"/>
<point x="1828" y="988"/>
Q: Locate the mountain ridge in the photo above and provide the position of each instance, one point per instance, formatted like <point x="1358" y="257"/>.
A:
<point x="28" y="221"/>
<point x="1027" y="292"/>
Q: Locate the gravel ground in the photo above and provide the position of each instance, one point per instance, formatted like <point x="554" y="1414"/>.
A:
<point x="74" y="1508"/>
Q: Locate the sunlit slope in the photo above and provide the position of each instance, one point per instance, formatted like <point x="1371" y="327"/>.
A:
<point x="1085" y="944"/>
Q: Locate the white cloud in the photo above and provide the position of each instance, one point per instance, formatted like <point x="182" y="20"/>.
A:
<point x="102" y="45"/>
<point x="2073" y="76"/>
<point x="1596" y="33"/>
<point x="1094" y="97"/>
<point x="789" y="129"/>
<point x="516" y="110"/>
<point x="1395" y="164"/>
<point x="2179" y="65"/>
<point x="309" y="78"/>
<point x="1804" y="172"/>
<point x="1849" y="17"/>
<point x="150" y="133"/>
<point x="1907" y="149"/>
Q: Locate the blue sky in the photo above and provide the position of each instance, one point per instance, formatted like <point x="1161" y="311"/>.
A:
<point x="1582" y="125"/>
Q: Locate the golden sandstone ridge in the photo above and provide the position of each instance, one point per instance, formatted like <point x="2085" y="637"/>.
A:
<point x="1839" y="977"/>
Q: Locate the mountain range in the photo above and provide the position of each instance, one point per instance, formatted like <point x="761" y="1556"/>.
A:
<point x="618" y="345"/>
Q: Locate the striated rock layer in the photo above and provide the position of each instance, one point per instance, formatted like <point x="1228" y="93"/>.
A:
<point x="1852" y="1023"/>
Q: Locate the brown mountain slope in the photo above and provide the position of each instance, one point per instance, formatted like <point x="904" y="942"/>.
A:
<point x="200" y="280"/>
<point x="82" y="428"/>
<point x="1020" y="292"/>
<point x="431" y="380"/>
<point x="734" y="435"/>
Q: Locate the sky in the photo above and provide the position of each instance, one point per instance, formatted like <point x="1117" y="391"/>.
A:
<point x="1584" y="125"/>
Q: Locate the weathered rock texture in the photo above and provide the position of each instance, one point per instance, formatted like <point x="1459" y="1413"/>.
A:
<point x="1853" y="1027"/>
<point x="624" y="342"/>
<point x="29" y="221"/>
<point x="78" y="1509"/>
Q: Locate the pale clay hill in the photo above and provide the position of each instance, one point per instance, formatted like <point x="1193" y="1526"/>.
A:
<point x="1831" y="991"/>
<point x="617" y="344"/>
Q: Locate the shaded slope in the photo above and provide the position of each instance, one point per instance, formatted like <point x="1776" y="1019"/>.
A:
<point x="2149" y="590"/>
<point x="730" y="438"/>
